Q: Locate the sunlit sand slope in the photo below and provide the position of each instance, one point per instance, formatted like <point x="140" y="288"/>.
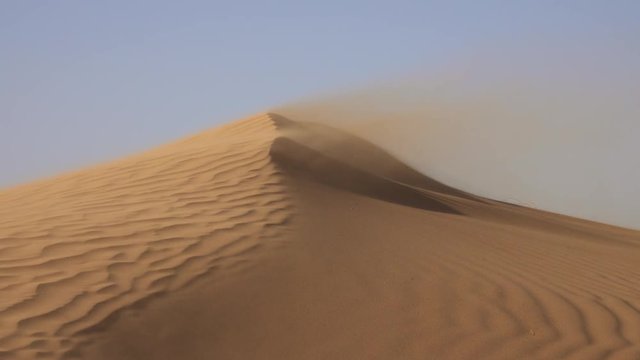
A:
<point x="77" y="249"/>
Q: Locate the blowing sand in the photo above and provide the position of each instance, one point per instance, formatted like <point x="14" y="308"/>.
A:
<point x="274" y="239"/>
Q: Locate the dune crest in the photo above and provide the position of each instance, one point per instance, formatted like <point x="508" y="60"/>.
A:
<point x="274" y="239"/>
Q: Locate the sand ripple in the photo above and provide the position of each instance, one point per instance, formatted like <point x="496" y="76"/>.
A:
<point x="77" y="249"/>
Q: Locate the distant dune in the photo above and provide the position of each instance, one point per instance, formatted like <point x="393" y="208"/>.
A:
<point x="275" y="239"/>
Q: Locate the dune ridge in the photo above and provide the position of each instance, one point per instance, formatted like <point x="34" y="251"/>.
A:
<point x="274" y="239"/>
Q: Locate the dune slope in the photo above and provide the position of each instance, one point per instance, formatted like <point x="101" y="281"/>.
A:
<point x="273" y="239"/>
<point x="77" y="249"/>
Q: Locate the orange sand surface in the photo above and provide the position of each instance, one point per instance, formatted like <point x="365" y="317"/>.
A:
<point x="274" y="239"/>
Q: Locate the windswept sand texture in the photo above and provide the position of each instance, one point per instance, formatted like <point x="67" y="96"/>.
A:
<point x="274" y="239"/>
<point x="77" y="249"/>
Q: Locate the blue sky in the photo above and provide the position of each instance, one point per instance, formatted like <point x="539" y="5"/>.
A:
<point x="88" y="81"/>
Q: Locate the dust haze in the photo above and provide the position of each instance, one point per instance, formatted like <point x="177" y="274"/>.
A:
<point x="556" y="133"/>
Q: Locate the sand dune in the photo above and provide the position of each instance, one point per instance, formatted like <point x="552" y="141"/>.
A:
<point x="274" y="239"/>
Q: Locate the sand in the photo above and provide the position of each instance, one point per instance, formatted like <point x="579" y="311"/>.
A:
<point x="274" y="239"/>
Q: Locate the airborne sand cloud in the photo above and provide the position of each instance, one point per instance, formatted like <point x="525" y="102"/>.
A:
<point x="550" y="132"/>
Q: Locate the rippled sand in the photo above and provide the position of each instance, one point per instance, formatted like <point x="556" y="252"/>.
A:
<point x="273" y="239"/>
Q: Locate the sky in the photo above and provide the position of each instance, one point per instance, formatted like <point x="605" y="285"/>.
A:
<point x="85" y="81"/>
